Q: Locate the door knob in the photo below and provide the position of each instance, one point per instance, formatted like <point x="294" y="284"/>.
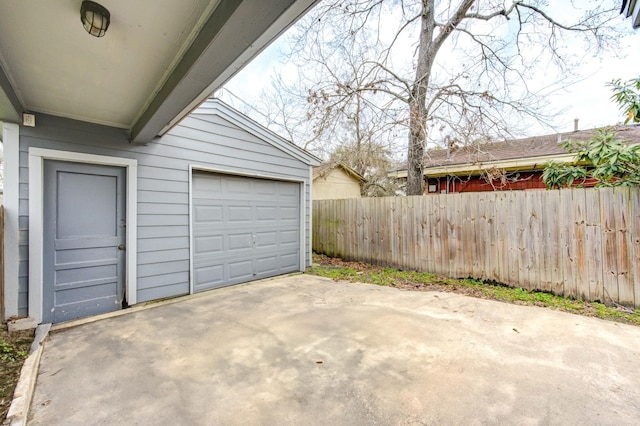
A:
<point x="121" y="247"/>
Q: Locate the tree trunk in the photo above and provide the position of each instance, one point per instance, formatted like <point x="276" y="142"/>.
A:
<point x="417" y="103"/>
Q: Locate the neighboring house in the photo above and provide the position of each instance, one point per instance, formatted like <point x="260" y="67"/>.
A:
<point x="333" y="181"/>
<point x="502" y="166"/>
<point x="108" y="200"/>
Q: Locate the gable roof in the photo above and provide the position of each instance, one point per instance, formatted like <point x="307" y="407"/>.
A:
<point x="518" y="154"/>
<point x="217" y="107"/>
<point x="324" y="168"/>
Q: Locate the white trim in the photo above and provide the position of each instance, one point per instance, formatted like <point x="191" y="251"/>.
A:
<point x="191" y="277"/>
<point x="310" y="218"/>
<point x="520" y="164"/>
<point x="11" y="201"/>
<point x="36" y="218"/>
<point x="303" y="215"/>
<point x="302" y="182"/>
<point x="197" y="167"/>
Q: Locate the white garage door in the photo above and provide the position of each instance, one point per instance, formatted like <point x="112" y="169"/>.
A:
<point x="243" y="229"/>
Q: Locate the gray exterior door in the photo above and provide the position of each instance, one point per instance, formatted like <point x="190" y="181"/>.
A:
<point x="84" y="236"/>
<point x="243" y="229"/>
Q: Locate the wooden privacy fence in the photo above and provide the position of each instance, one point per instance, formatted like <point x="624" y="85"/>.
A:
<point x="581" y="243"/>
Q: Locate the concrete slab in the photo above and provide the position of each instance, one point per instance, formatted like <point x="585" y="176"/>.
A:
<point x="21" y="324"/>
<point x="306" y="350"/>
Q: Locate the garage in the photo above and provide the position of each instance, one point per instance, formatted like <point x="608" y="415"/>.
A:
<point x="217" y="200"/>
<point x="244" y="228"/>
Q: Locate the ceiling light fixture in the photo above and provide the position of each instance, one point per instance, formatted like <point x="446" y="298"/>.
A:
<point x="95" y="18"/>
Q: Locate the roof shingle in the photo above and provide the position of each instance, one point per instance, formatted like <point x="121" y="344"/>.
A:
<point x="538" y="146"/>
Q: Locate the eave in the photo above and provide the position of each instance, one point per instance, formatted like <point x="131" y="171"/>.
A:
<point x="215" y="56"/>
<point x="520" y="164"/>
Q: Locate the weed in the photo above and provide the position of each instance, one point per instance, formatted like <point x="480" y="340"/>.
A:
<point x="9" y="353"/>
<point x="411" y="280"/>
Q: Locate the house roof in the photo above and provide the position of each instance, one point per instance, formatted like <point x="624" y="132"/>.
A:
<point x="518" y="154"/>
<point x="217" y="107"/>
<point x="325" y="168"/>
<point x="158" y="60"/>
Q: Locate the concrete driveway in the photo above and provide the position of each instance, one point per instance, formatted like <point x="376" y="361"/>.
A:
<point x="303" y="350"/>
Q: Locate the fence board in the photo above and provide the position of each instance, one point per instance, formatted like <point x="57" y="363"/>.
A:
<point x="568" y="244"/>
<point x="436" y="240"/>
<point x="581" y="242"/>
<point x="522" y="231"/>
<point x="395" y="250"/>
<point x="623" y="246"/>
<point x="580" y="283"/>
<point x="635" y="238"/>
<point x="483" y="244"/>
<point x="410" y="222"/>
<point x="535" y="230"/>
<point x="512" y="236"/>
<point x="609" y="244"/>
<point x="493" y="264"/>
<point x="555" y="251"/>
<point x="472" y="208"/>
<point x="546" y="245"/>
<point x="501" y="258"/>
<point x="594" y="246"/>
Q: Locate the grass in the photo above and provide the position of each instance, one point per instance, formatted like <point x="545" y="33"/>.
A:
<point x="14" y="349"/>
<point x="337" y="269"/>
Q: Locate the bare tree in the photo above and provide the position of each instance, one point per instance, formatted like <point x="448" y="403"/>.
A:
<point x="322" y="111"/>
<point x="472" y="61"/>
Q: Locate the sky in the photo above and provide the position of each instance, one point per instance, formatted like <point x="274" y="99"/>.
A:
<point x="587" y="99"/>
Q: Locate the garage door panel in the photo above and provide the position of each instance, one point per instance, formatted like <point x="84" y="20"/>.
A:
<point x="239" y="213"/>
<point x="212" y="214"/>
<point x="212" y="244"/>
<point x="241" y="269"/>
<point x="289" y="262"/>
<point x="290" y="191"/>
<point x="288" y="213"/>
<point x="240" y="242"/>
<point x="289" y="237"/>
<point x="243" y="229"/>
<point x="267" y="214"/>
<point x="236" y="185"/>
<point x="267" y="239"/>
<point x="209" y="277"/>
<point x="207" y="184"/>
<point x="266" y="187"/>
<point x="267" y="265"/>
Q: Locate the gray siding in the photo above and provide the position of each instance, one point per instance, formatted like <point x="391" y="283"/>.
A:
<point x="163" y="184"/>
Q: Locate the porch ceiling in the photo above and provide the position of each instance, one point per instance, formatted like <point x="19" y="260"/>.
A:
<point x="158" y="60"/>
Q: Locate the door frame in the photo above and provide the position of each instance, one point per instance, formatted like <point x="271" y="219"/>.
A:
<point x="37" y="156"/>
<point x="302" y="210"/>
